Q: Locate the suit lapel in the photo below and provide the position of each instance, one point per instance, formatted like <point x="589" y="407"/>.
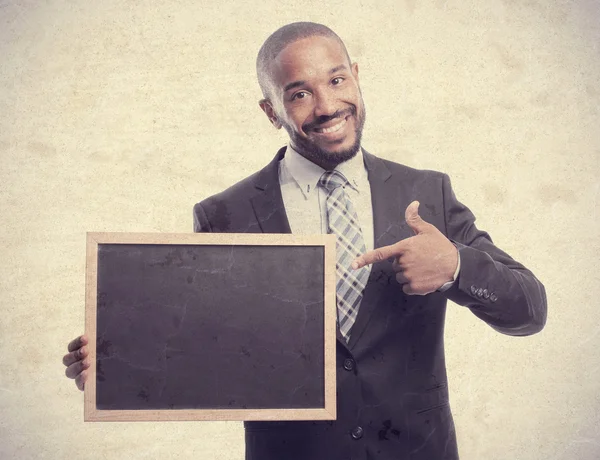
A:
<point x="268" y="203"/>
<point x="389" y="202"/>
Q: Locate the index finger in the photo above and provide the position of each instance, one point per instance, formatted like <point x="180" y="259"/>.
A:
<point x="77" y="343"/>
<point x="378" y="255"/>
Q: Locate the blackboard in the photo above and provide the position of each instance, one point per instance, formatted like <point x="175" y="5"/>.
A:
<point x="210" y="327"/>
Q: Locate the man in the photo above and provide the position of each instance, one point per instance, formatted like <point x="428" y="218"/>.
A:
<point x="398" y="263"/>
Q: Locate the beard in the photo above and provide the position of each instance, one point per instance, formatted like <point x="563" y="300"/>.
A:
<point x="327" y="159"/>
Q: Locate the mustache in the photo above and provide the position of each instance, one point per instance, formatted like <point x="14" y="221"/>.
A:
<point x="325" y="118"/>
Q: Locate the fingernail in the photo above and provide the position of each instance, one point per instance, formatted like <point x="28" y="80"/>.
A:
<point x="355" y="265"/>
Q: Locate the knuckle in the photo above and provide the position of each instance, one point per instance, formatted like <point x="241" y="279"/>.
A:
<point x="69" y="372"/>
<point x="81" y="353"/>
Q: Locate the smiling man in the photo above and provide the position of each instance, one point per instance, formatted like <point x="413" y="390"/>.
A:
<point x="311" y="89"/>
<point x="397" y="264"/>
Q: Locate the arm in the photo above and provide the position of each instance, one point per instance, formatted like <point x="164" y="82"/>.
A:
<point x="496" y="288"/>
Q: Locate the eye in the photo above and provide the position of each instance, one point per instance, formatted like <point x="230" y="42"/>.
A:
<point x="299" y="95"/>
<point x="337" y="81"/>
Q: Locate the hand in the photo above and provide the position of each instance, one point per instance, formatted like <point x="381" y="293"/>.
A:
<point x="424" y="262"/>
<point x="76" y="361"/>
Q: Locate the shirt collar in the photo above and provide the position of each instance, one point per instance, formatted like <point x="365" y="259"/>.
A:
<point x="307" y="174"/>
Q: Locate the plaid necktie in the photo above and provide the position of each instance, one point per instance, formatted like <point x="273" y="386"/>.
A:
<point x="343" y="222"/>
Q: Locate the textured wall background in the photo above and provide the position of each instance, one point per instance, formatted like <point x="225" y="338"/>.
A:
<point x="117" y="116"/>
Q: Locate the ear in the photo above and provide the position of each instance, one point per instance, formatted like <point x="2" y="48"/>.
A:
<point x="355" y="71"/>
<point x="266" y="107"/>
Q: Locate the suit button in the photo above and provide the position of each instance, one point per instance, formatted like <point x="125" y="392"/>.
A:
<point x="473" y="289"/>
<point x="357" y="432"/>
<point x="480" y="292"/>
<point x="486" y="294"/>
<point x="348" y="364"/>
<point x="493" y="297"/>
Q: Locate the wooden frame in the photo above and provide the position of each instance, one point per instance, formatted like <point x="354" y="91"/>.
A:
<point x="95" y="242"/>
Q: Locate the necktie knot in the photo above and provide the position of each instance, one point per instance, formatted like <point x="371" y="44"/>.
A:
<point x="330" y="180"/>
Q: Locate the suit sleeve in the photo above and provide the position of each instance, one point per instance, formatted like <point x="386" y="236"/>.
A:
<point x="496" y="288"/>
<point x="201" y="223"/>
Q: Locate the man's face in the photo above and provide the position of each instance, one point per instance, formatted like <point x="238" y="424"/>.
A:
<point x="315" y="96"/>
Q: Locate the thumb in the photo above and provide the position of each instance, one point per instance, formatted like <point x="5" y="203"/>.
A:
<point x="413" y="219"/>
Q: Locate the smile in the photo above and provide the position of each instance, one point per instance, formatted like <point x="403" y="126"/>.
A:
<point x="331" y="129"/>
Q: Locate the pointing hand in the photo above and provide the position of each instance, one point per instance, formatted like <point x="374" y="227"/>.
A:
<point x="424" y="262"/>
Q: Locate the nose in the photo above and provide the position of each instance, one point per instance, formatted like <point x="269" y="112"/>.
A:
<point x="325" y="103"/>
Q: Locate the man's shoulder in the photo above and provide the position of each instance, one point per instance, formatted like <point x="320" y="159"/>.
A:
<point x="401" y="171"/>
<point x="229" y="210"/>
<point x="245" y="188"/>
<point x="232" y="205"/>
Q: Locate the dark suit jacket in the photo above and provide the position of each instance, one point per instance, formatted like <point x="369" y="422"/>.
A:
<point x="391" y="377"/>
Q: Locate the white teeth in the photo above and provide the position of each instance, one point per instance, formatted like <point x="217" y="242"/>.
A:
<point x="333" y="129"/>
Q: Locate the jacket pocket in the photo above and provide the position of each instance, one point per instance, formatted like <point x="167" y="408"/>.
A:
<point x="434" y="407"/>
<point x="433" y="398"/>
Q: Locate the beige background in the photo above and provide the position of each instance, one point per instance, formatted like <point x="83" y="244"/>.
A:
<point x="119" y="117"/>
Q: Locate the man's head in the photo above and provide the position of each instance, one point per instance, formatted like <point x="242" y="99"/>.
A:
<point x="311" y="89"/>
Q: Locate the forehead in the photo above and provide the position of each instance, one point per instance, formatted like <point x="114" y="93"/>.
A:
<point x="307" y="59"/>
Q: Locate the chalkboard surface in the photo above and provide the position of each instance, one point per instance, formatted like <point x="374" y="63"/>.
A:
<point x="211" y="327"/>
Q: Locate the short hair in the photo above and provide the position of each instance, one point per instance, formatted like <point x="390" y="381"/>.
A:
<point x="281" y="38"/>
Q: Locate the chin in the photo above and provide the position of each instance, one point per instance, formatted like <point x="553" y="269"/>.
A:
<point x="332" y="158"/>
<point x="346" y="151"/>
<point x="327" y="155"/>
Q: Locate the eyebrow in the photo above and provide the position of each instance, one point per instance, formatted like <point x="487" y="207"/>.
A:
<point x="297" y="83"/>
